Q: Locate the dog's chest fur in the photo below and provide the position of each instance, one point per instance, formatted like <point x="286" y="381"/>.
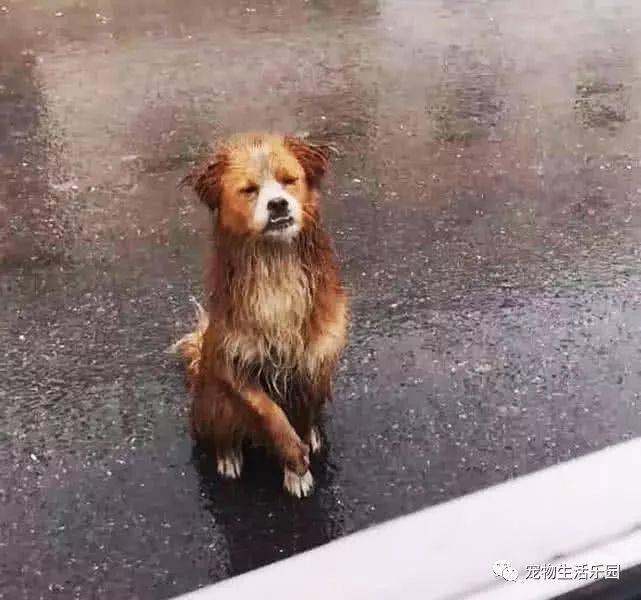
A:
<point x="272" y="300"/>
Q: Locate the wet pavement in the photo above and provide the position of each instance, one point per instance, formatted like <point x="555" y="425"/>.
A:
<point x="485" y="204"/>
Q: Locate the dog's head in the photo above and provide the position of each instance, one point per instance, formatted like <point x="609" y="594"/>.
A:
<point x="262" y="185"/>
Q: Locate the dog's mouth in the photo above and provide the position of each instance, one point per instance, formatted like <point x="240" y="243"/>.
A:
<point x="279" y="223"/>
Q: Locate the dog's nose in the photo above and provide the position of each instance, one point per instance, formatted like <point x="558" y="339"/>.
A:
<point x="278" y="207"/>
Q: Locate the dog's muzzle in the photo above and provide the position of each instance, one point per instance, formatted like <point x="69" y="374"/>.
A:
<point x="279" y="215"/>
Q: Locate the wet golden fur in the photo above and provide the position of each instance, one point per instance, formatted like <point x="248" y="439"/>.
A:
<point x="261" y="360"/>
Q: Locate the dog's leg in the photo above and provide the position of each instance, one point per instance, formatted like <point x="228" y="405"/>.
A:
<point x="224" y="413"/>
<point x="218" y="420"/>
<point x="275" y="424"/>
<point x="297" y="479"/>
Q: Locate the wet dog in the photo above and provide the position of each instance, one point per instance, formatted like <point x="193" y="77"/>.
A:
<point x="261" y="360"/>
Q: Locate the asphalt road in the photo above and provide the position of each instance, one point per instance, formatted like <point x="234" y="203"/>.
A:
<point x="485" y="204"/>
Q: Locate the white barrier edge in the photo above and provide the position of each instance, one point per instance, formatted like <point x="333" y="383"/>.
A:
<point x="583" y="510"/>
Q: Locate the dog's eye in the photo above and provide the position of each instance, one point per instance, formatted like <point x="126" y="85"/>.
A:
<point x="249" y="189"/>
<point x="289" y="180"/>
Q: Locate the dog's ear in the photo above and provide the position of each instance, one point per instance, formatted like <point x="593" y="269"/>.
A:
<point x="314" y="159"/>
<point x="205" y="180"/>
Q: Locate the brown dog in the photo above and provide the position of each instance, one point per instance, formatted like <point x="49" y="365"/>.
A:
<point x="261" y="361"/>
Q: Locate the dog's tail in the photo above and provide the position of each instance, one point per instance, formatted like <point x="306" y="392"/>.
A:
<point x="190" y="345"/>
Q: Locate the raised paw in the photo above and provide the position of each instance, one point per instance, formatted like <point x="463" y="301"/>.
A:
<point x="315" y="442"/>
<point x="300" y="486"/>
<point x="296" y="456"/>
<point x="230" y="464"/>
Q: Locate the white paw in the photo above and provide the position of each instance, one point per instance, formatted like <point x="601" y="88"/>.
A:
<point x="314" y="440"/>
<point x="230" y="465"/>
<point x="299" y="486"/>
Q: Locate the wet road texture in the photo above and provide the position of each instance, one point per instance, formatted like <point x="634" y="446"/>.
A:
<point x="485" y="205"/>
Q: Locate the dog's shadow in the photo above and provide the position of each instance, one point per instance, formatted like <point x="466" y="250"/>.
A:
<point x="260" y="522"/>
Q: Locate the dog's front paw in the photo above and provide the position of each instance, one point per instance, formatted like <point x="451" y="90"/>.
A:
<point x="296" y="457"/>
<point x="230" y="464"/>
<point x="300" y="486"/>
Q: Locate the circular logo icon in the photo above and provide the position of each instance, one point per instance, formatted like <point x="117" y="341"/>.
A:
<point x="504" y="568"/>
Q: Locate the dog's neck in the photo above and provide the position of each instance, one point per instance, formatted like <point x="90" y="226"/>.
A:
<point x="238" y="255"/>
<point x="246" y="253"/>
<point x="241" y="265"/>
